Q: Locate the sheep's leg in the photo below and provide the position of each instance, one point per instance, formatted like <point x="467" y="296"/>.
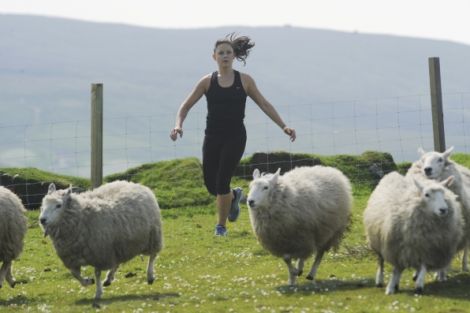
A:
<point x="83" y="281"/>
<point x="292" y="270"/>
<point x="441" y="275"/>
<point x="99" y="288"/>
<point x="420" y="280"/>
<point x="394" y="282"/>
<point x="110" y="276"/>
<point x="300" y="266"/>
<point x="316" y="264"/>
<point x="465" y="259"/>
<point x="379" y="277"/>
<point x="3" y="272"/>
<point x="11" y="281"/>
<point x="150" y="275"/>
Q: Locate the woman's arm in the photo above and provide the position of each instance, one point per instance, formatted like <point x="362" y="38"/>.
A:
<point x="187" y="104"/>
<point x="253" y="92"/>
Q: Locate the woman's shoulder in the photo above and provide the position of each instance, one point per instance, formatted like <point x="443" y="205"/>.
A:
<point x="207" y="77"/>
<point x="205" y="81"/>
<point x="246" y="78"/>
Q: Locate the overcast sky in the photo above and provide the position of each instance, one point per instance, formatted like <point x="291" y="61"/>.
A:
<point x="439" y="19"/>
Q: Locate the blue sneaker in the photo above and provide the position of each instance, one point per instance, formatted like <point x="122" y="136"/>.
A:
<point x="235" y="207"/>
<point x="220" y="230"/>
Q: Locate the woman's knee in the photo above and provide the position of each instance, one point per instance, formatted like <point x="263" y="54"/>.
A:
<point x="223" y="189"/>
<point x="211" y="188"/>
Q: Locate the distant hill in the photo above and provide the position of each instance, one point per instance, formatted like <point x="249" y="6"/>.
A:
<point x="48" y="65"/>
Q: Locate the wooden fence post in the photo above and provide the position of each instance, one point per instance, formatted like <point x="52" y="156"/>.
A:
<point x="96" y="135"/>
<point x="436" y="105"/>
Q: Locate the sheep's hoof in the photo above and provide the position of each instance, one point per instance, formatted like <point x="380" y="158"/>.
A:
<point x="419" y="291"/>
<point x="379" y="285"/>
<point x="415" y="277"/>
<point x="96" y="305"/>
<point x="309" y="277"/>
<point x="151" y="280"/>
<point x="13" y="284"/>
<point x="107" y="283"/>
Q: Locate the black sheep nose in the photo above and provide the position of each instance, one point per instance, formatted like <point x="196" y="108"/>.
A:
<point x="443" y="211"/>
<point x="428" y="170"/>
<point x="43" y="221"/>
<point x="251" y="202"/>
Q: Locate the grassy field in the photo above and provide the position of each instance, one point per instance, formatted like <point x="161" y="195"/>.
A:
<point x="197" y="272"/>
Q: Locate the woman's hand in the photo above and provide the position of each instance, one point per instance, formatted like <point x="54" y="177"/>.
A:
<point x="290" y="132"/>
<point x="174" y="133"/>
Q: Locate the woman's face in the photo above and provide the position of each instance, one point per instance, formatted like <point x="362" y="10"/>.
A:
<point x="224" y="55"/>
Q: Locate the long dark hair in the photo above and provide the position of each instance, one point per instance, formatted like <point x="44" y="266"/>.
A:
<point x="241" y="45"/>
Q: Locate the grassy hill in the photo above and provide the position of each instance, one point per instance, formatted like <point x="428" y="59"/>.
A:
<point x="179" y="183"/>
<point x="197" y="272"/>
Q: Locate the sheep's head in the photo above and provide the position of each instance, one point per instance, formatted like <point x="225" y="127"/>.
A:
<point x="433" y="195"/>
<point x="261" y="188"/>
<point x="52" y="205"/>
<point x="433" y="163"/>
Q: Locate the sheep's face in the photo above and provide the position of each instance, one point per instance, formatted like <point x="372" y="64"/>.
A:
<point x="52" y="206"/>
<point x="433" y="163"/>
<point x="433" y="196"/>
<point x="260" y="189"/>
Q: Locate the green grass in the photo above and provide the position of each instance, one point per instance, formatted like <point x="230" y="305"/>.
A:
<point x="29" y="174"/>
<point x="461" y="158"/>
<point x="197" y="272"/>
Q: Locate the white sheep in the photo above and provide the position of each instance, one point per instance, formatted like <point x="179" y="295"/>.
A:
<point x="412" y="224"/>
<point x="438" y="166"/>
<point x="103" y="228"/>
<point x="13" y="225"/>
<point x="303" y="212"/>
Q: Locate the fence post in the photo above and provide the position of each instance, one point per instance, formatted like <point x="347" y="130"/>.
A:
<point x="436" y="105"/>
<point x="96" y="135"/>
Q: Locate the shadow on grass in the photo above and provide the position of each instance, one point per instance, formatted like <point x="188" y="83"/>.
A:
<point x="324" y="286"/>
<point x="18" y="300"/>
<point x="141" y="297"/>
<point x="456" y="287"/>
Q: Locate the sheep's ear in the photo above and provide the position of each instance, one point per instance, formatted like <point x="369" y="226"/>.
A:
<point x="448" y="181"/>
<point x="66" y="197"/>
<point x="275" y="176"/>
<point x="418" y="185"/>
<point x="447" y="153"/>
<point x="51" y="188"/>
<point x="421" y="151"/>
<point x="256" y="173"/>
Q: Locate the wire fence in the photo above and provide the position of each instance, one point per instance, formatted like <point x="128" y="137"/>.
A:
<point x="396" y="125"/>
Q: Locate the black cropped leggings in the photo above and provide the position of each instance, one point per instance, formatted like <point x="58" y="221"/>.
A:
<point x="220" y="156"/>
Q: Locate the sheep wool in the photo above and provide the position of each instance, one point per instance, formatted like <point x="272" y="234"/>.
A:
<point x="302" y="212"/>
<point x="103" y="228"/>
<point x="438" y="166"/>
<point x="13" y="225"/>
<point x="412" y="224"/>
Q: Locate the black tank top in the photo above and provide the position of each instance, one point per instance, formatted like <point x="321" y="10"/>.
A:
<point x="225" y="107"/>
